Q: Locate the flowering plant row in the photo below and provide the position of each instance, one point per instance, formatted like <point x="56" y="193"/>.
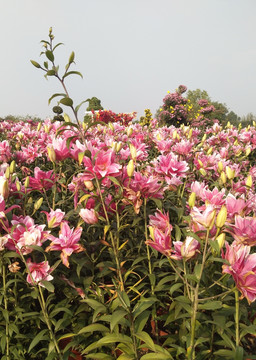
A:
<point x="135" y="243"/>
<point x="126" y="241"/>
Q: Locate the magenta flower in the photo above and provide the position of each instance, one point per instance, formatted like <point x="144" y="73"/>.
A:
<point x="54" y="218"/>
<point x="89" y="216"/>
<point x="169" y="166"/>
<point x="102" y="166"/>
<point x="204" y="218"/>
<point x="185" y="250"/>
<point x="42" y="179"/>
<point x="161" y="221"/>
<point x="38" y="271"/>
<point x="67" y="242"/>
<point x="161" y="241"/>
<point x="25" y="234"/>
<point x="4" y="211"/>
<point x="60" y="147"/>
<point x="242" y="266"/>
<point x="244" y="230"/>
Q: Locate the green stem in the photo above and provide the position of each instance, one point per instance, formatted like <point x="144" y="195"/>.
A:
<point x="7" y="317"/>
<point x="48" y="323"/>
<point x="237" y="317"/>
<point x="191" y="349"/>
<point x="113" y="242"/>
<point x="148" y="251"/>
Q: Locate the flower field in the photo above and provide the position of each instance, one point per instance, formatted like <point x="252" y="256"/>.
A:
<point x="127" y="241"/>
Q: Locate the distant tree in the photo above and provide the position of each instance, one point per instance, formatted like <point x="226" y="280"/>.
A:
<point x="94" y="104"/>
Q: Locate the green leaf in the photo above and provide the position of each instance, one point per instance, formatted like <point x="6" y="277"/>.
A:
<point x="114" y="180"/>
<point x="226" y="353"/>
<point x="57" y="46"/>
<point x="99" y="356"/>
<point x="177" y="233"/>
<point x="94" y="304"/>
<point x="55" y="95"/>
<point x="50" y="73"/>
<point x="78" y="106"/>
<point x="114" y="338"/>
<point x="141" y="320"/>
<point x="49" y="286"/>
<point x="211" y="305"/>
<point x="35" y="64"/>
<point x="156" y="356"/>
<point x="59" y="309"/>
<point x="143" y="336"/>
<point x="175" y="287"/>
<point x="49" y="55"/>
<point x="39" y="337"/>
<point x="197" y="270"/>
<point x="66" y="101"/>
<point x="116" y="317"/>
<point x="143" y="305"/>
<point x="124" y="299"/>
<point x="239" y="353"/>
<point x="72" y="57"/>
<point x="72" y="72"/>
<point x="93" y="327"/>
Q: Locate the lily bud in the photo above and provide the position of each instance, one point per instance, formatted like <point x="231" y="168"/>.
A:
<point x="12" y="167"/>
<point x="133" y="152"/>
<point x="220" y="166"/>
<point x="39" y="126"/>
<point x="89" y="185"/>
<point x="192" y="200"/>
<point x="4" y="187"/>
<point x="130" y="168"/>
<point x="7" y="173"/>
<point x="221" y="217"/>
<point x="202" y="172"/>
<point x="118" y="146"/>
<point x="230" y="173"/>
<point x="111" y="126"/>
<point x="129" y="131"/>
<point x="151" y="232"/>
<point x="174" y="134"/>
<point x="209" y="152"/>
<point x="221" y="240"/>
<point x="223" y="177"/>
<point x="51" y="154"/>
<point x="38" y="203"/>
<point x="248" y="182"/>
<point x="247" y="151"/>
<point x="26" y="184"/>
<point x="18" y="187"/>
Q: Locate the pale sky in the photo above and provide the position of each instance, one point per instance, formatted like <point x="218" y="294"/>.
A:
<point x="130" y="52"/>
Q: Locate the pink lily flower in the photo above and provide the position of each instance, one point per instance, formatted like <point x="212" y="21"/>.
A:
<point x="244" y="230"/>
<point x="161" y="241"/>
<point x="42" y="179"/>
<point x="67" y="242"/>
<point x="89" y="216"/>
<point x="161" y="221"/>
<point x="54" y="218"/>
<point x="104" y="165"/>
<point x="205" y="218"/>
<point x="38" y="272"/>
<point x="242" y="266"/>
<point x="25" y="234"/>
<point x="185" y="250"/>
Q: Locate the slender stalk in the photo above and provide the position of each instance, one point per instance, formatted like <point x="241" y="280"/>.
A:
<point x="146" y="237"/>
<point x="48" y="323"/>
<point x="192" y="355"/>
<point x="113" y="242"/>
<point x="7" y="317"/>
<point x="237" y="317"/>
